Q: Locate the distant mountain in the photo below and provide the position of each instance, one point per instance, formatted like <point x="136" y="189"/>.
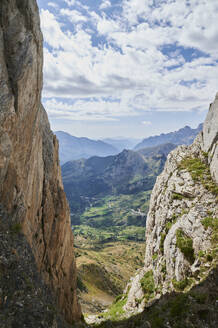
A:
<point x="73" y="148"/>
<point x="127" y="173"/>
<point x="184" y="136"/>
<point x="122" y="143"/>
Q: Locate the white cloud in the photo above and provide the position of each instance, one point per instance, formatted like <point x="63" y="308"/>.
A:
<point x="146" y="122"/>
<point x="105" y="4"/>
<point x="73" y="15"/>
<point x="53" y="4"/>
<point x="131" y="65"/>
<point x="93" y="110"/>
<point x="70" y="3"/>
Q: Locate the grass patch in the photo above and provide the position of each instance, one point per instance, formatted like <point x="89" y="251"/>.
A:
<point x="147" y="284"/>
<point x="185" y="244"/>
<point x="210" y="222"/>
<point x="116" y="233"/>
<point x="116" y="310"/>
<point x="176" y="196"/>
<point x="119" y="210"/>
<point x="200" y="172"/>
<point x="182" y="284"/>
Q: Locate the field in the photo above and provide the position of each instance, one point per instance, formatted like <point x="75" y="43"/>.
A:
<point x="104" y="270"/>
<point x="109" y="246"/>
<point x="120" y="210"/>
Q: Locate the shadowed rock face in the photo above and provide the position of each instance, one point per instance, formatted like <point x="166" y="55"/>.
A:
<point x="31" y="188"/>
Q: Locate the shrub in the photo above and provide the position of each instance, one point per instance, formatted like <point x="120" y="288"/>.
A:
<point x="185" y="244"/>
<point x="147" y="284"/>
<point x="199" y="297"/>
<point x="182" y="284"/>
<point x="179" y="306"/>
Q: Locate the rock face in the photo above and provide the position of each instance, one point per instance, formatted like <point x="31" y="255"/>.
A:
<point x="31" y="189"/>
<point x="182" y="223"/>
<point x="210" y="138"/>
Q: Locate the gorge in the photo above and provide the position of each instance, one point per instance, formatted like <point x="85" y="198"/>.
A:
<point x="177" y="287"/>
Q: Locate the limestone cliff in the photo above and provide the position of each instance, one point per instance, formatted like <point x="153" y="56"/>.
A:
<point x="182" y="223"/>
<point x="31" y="189"/>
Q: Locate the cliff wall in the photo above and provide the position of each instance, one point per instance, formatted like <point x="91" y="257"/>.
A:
<point x="182" y="223"/>
<point x="31" y="189"/>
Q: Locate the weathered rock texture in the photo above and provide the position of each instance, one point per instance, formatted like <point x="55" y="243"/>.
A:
<point x="31" y="188"/>
<point x="181" y="231"/>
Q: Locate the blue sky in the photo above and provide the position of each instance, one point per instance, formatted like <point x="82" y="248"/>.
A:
<point x="128" y="67"/>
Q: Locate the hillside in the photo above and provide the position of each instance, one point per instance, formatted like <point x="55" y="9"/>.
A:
<point x="104" y="270"/>
<point x="184" y="136"/>
<point x="86" y="182"/>
<point x="73" y="148"/>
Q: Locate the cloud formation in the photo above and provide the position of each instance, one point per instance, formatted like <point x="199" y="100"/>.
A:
<point x="130" y="57"/>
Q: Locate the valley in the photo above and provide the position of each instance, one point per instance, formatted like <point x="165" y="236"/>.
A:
<point x="109" y="201"/>
<point x="116" y="237"/>
<point x="109" y="247"/>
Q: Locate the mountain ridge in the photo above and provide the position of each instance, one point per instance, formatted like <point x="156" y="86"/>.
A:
<point x="126" y="173"/>
<point x="184" y="135"/>
<point x="73" y="148"/>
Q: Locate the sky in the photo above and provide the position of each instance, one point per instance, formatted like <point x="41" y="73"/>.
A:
<point x="131" y="68"/>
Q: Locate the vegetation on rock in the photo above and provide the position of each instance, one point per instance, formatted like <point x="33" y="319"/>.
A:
<point x="147" y="284"/>
<point x="185" y="244"/>
<point x="200" y="172"/>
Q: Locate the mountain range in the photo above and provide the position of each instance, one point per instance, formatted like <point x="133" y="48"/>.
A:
<point x="122" y="143"/>
<point x="128" y="172"/>
<point x="73" y="148"/>
<point x="184" y="136"/>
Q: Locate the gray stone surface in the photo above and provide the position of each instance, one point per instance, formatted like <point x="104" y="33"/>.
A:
<point x="210" y="137"/>
<point x="178" y="199"/>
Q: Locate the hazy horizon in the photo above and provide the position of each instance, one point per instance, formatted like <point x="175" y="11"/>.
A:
<point x="121" y="137"/>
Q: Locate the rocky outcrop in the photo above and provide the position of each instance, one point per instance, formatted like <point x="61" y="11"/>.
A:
<point x="31" y="189"/>
<point x="182" y="223"/>
<point x="210" y="138"/>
